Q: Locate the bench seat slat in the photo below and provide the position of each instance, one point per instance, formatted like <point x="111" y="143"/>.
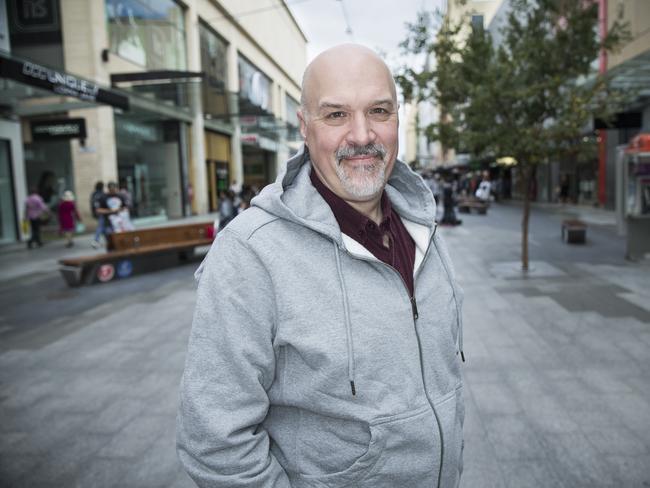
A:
<point x="150" y="249"/>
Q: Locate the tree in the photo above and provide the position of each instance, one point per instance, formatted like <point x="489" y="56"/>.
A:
<point x="530" y="97"/>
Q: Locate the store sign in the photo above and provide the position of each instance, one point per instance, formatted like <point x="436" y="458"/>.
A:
<point x="36" y="15"/>
<point x="59" y="129"/>
<point x="59" y="82"/>
<point x="259" y="141"/>
<point x="249" y="139"/>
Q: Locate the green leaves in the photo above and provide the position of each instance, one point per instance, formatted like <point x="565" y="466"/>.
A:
<point x="532" y="96"/>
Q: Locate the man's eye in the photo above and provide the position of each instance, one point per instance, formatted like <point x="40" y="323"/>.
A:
<point x="336" y="115"/>
<point x="379" y="111"/>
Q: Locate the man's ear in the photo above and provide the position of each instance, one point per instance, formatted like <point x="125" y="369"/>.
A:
<point x="303" y="125"/>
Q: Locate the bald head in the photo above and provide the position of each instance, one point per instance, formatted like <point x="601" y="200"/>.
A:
<point x="344" y="61"/>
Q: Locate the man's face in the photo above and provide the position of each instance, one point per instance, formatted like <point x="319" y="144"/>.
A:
<point x="351" y="126"/>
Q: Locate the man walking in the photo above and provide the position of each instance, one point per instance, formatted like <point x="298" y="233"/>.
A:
<point x="324" y="347"/>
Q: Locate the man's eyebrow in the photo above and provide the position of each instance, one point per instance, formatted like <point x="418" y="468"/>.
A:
<point x="330" y="105"/>
<point x="386" y="101"/>
<point x="339" y="106"/>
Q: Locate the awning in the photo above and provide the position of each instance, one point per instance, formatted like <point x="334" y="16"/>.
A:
<point x="53" y="81"/>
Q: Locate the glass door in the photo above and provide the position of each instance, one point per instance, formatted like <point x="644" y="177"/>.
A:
<point x="8" y="232"/>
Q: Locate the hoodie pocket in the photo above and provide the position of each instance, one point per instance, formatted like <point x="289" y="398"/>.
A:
<point x="404" y="450"/>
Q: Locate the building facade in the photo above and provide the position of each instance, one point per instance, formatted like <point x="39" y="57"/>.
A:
<point x="175" y="100"/>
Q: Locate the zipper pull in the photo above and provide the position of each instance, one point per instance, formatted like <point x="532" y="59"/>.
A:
<point x="414" y="307"/>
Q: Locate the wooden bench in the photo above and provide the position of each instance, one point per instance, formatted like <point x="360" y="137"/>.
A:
<point x="465" y="205"/>
<point x="137" y="251"/>
<point x="574" y="231"/>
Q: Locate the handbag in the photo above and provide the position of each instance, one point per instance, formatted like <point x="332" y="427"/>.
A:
<point x="79" y="227"/>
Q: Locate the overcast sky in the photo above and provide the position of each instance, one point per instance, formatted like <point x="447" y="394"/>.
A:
<point x="378" y="24"/>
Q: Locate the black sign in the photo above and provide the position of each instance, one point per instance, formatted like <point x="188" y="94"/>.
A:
<point x="33" y="23"/>
<point x="35" y="14"/>
<point x="60" y="82"/>
<point x="59" y="129"/>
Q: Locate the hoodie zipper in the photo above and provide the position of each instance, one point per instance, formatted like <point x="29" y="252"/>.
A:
<point x="415" y="315"/>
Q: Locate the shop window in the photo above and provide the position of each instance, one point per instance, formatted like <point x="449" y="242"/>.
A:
<point x="292" y="119"/>
<point x="214" y="63"/>
<point x="7" y="209"/>
<point x="149" y="164"/>
<point x="254" y="89"/>
<point x="149" y="33"/>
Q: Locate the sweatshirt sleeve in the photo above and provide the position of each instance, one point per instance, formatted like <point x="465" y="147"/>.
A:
<point x="229" y="368"/>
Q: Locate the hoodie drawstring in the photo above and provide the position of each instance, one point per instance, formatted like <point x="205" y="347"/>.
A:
<point x="459" y="316"/>
<point x="348" y="324"/>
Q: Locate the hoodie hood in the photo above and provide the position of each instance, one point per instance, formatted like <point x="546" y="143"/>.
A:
<point x="292" y="197"/>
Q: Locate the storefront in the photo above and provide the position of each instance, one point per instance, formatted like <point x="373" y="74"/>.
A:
<point x="259" y="157"/>
<point x="218" y="167"/>
<point x="150" y="162"/>
<point x="37" y="134"/>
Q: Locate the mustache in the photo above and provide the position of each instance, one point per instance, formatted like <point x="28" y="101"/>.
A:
<point x="376" y="150"/>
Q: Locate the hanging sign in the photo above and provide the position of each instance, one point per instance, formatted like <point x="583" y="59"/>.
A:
<point x="59" y="129"/>
<point x="59" y="82"/>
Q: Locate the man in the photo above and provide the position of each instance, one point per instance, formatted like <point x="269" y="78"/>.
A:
<point x="110" y="206"/>
<point x="324" y="344"/>
<point x="95" y="202"/>
<point x="484" y="190"/>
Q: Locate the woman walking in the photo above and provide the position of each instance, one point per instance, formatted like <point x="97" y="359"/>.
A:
<point x="68" y="217"/>
<point x="35" y="210"/>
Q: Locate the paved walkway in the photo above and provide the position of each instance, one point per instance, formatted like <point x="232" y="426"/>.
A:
<point x="557" y="386"/>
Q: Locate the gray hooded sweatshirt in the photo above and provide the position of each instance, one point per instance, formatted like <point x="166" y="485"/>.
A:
<point x="309" y="365"/>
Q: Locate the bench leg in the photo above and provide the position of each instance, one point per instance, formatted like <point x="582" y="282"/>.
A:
<point x="71" y="275"/>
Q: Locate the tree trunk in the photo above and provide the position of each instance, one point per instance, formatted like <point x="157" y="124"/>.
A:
<point x="527" y="174"/>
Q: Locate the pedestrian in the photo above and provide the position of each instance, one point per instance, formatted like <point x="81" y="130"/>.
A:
<point x="35" y="211"/>
<point x="325" y="342"/>
<point x="563" y="190"/>
<point x="95" y="202"/>
<point x="68" y="217"/>
<point x="112" y="207"/>
<point x="226" y="208"/>
<point x="126" y="194"/>
<point x="484" y="190"/>
<point x="449" y="204"/>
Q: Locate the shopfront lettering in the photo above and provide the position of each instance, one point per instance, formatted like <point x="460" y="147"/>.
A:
<point x="59" y="82"/>
<point x="63" y="83"/>
<point x="59" y="129"/>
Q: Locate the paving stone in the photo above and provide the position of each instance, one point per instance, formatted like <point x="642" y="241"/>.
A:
<point x="158" y="467"/>
<point x="577" y="462"/>
<point x="632" y="471"/>
<point x="115" y="416"/>
<point x="495" y="399"/>
<point x="14" y="466"/>
<point x="531" y="474"/>
<point x="514" y="438"/>
<point x="616" y="441"/>
<point x="136" y="436"/>
<point x="103" y="473"/>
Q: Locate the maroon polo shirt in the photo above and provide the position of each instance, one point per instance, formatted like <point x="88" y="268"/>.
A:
<point x="389" y="242"/>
